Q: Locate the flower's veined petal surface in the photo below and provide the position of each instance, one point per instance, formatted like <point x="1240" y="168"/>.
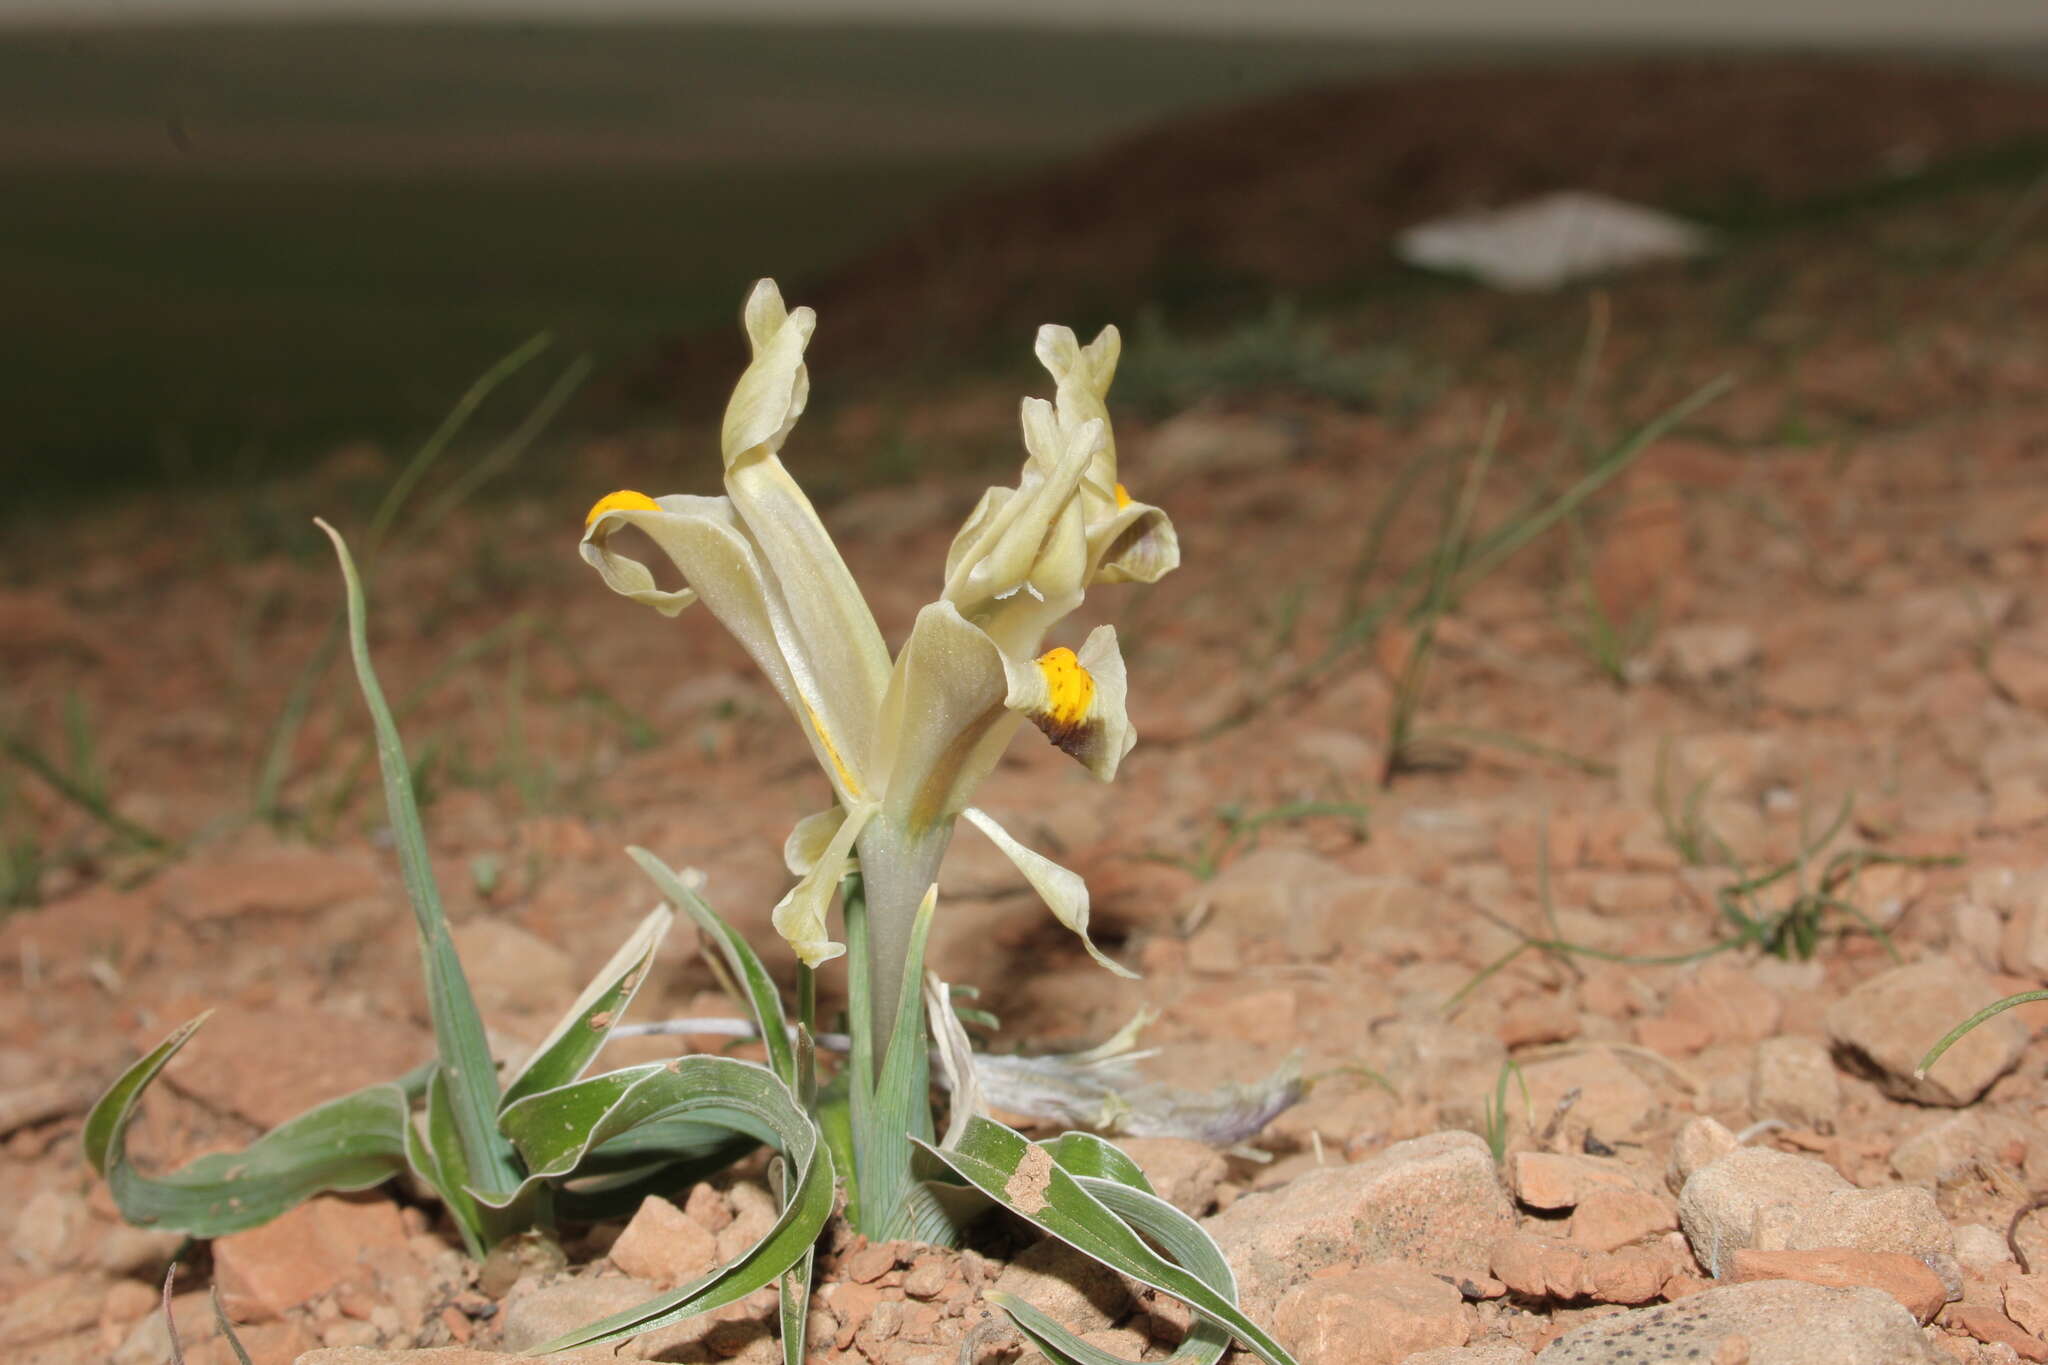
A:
<point x="703" y="538"/>
<point x="1059" y="580"/>
<point x="722" y="566"/>
<point x="800" y="915"/>
<point x="977" y="523"/>
<point x="1063" y="891"/>
<point x="809" y="839"/>
<point x="839" y="662"/>
<point x="772" y="392"/>
<point x="944" y="724"/>
<point x="1078" y="700"/>
<point x="1136" y="543"/>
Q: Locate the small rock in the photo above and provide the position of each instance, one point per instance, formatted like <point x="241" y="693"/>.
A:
<point x="2020" y="668"/>
<point x="2026" y="1302"/>
<point x="1778" y="1322"/>
<point x="1901" y="1218"/>
<point x="554" y="1310"/>
<point x="49" y="1307"/>
<point x="927" y="1278"/>
<point x="664" y="1245"/>
<point x="1487" y="1353"/>
<point x="445" y="1355"/>
<point x="49" y="1231"/>
<point x="1903" y="1277"/>
<point x="1793" y="1079"/>
<point x="286" y="881"/>
<point x="1709" y="651"/>
<point x="1701" y="1142"/>
<point x="1719" y="1204"/>
<point x="1433" y="1201"/>
<point x="710" y="1211"/>
<point x="1377" y="1315"/>
<point x="1608" y="1219"/>
<point x="1078" y="1292"/>
<point x="1886" y="1024"/>
<point x="1993" y="1328"/>
<point x="1613" y="1103"/>
<point x="1634" y="1275"/>
<point x="1946" y="1149"/>
<point x="1539" y="1268"/>
<point x="513" y="970"/>
<point x="1560" y="1180"/>
<point x="876" y="1259"/>
<point x="1185" y="1173"/>
<point x="1982" y="1251"/>
<point x="322" y="1244"/>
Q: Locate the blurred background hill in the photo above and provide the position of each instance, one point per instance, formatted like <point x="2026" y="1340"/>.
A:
<point x="230" y="246"/>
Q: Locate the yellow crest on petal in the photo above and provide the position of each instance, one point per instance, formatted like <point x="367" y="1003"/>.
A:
<point x="625" y="500"/>
<point x="1123" y="497"/>
<point x="1069" y="695"/>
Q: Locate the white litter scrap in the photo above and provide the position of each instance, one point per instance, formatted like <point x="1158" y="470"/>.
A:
<point x="1543" y="243"/>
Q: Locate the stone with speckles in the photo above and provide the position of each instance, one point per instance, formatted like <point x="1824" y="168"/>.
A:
<point x="1781" y="1322"/>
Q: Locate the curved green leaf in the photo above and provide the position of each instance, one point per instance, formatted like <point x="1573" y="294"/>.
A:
<point x="472" y="1078"/>
<point x="561" y="1057"/>
<point x="1084" y="1212"/>
<point x="424" y="1144"/>
<point x="740" y="957"/>
<point x="349" y="1143"/>
<point x="707" y="1089"/>
<point x="1086" y="1154"/>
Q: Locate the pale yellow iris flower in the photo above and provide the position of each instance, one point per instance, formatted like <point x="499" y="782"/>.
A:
<point x="905" y="743"/>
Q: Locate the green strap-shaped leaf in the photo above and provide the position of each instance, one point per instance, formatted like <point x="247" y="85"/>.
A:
<point x="740" y="957"/>
<point x="562" y="1056"/>
<point x="710" y="1089"/>
<point x="1105" y="1171"/>
<point x="424" y="1143"/>
<point x="458" y="1029"/>
<point x="349" y="1143"/>
<point x="1026" y="1179"/>
<point x="1085" y="1154"/>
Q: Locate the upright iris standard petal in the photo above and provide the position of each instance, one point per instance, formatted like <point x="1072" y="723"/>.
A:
<point x="1063" y="892"/>
<point x="1128" y="541"/>
<point x="840" y="665"/>
<point x="1027" y="564"/>
<point x="772" y="393"/>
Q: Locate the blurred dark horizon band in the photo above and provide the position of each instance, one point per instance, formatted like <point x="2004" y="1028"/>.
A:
<point x="1854" y="23"/>
<point x="230" y="246"/>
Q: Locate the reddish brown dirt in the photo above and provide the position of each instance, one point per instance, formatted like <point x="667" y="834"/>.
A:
<point x="1835" y="569"/>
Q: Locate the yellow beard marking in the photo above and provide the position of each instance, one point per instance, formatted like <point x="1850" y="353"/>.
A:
<point x="1069" y="693"/>
<point x="625" y="500"/>
<point x="846" y="780"/>
<point x="1123" y="497"/>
